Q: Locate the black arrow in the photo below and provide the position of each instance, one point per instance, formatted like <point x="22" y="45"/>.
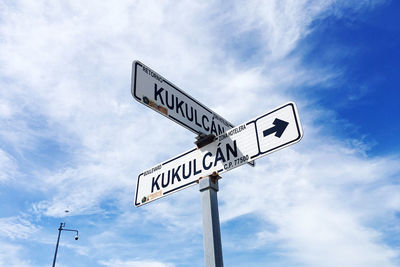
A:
<point x="278" y="129"/>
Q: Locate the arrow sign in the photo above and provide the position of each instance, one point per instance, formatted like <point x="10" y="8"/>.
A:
<point x="233" y="148"/>
<point x="278" y="129"/>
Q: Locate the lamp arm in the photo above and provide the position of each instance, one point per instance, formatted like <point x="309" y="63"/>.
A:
<point x="70" y="230"/>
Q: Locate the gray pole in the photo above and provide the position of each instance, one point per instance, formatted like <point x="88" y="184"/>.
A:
<point x="211" y="230"/>
<point x="58" y="241"/>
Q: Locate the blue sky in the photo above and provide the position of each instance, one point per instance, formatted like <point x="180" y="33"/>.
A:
<point x="369" y="60"/>
<point x="73" y="138"/>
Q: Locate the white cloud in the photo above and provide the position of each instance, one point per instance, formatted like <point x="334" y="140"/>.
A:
<point x="67" y="64"/>
<point x="322" y="202"/>
<point x="8" y="167"/>
<point x="119" y="263"/>
<point x="10" y="256"/>
<point x="5" y="109"/>
<point x="282" y="24"/>
<point x="313" y="229"/>
<point x="16" y="227"/>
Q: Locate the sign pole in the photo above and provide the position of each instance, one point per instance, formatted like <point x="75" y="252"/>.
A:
<point x="208" y="187"/>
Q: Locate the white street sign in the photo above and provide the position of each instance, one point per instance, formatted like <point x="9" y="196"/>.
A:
<point x="156" y="92"/>
<point x="159" y="94"/>
<point x="256" y="138"/>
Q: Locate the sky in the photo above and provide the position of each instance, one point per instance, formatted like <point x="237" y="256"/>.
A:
<point x="73" y="138"/>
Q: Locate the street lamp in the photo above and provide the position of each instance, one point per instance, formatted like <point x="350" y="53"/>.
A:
<point x="61" y="228"/>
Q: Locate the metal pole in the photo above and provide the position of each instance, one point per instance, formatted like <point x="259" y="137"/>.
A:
<point x="211" y="230"/>
<point x="58" y="241"/>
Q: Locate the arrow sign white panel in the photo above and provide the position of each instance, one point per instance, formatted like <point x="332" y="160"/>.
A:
<point x="256" y="138"/>
<point x="156" y="92"/>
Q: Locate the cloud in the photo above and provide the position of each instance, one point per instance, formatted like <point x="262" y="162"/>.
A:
<point x="16" y="227"/>
<point x="280" y="25"/>
<point x="8" y="167"/>
<point x="119" y="263"/>
<point x="320" y="199"/>
<point x="66" y="65"/>
<point x="10" y="255"/>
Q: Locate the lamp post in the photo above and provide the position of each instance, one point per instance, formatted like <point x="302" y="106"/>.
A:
<point x="61" y="228"/>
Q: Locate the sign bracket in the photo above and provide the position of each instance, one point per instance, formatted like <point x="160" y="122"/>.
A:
<point x="203" y="140"/>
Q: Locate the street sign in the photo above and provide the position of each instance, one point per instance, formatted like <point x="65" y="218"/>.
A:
<point x="156" y="92"/>
<point x="251" y="140"/>
<point x="159" y="94"/>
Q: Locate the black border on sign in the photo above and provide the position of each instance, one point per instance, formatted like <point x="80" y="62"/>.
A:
<point x="133" y="91"/>
<point x="278" y="147"/>
<point x="180" y="187"/>
<point x="181" y="123"/>
<point x="184" y="154"/>
<point x="137" y="188"/>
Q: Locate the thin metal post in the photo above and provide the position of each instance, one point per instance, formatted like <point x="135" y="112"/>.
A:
<point x="211" y="229"/>
<point x="58" y="241"/>
<point x="61" y="228"/>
